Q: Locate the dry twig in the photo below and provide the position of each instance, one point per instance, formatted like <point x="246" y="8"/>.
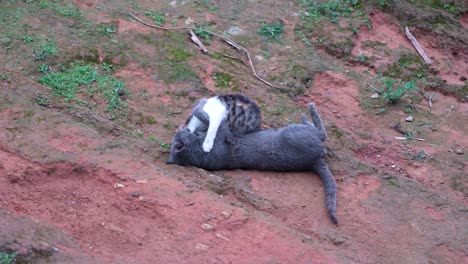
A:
<point x="197" y="41"/>
<point x="234" y="58"/>
<point x="418" y="47"/>
<point x="226" y="39"/>
<point x="404" y="138"/>
<point x="375" y="89"/>
<point x="398" y="128"/>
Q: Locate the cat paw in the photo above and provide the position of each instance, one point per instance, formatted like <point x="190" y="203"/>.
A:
<point x="207" y="146"/>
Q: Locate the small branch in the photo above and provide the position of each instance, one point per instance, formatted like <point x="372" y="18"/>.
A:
<point x="153" y="26"/>
<point x="398" y="128"/>
<point x="418" y="47"/>
<point x="375" y="89"/>
<point x="404" y="138"/>
<point x="226" y="39"/>
<point x="430" y="98"/>
<point x="234" y="58"/>
<point x="197" y="41"/>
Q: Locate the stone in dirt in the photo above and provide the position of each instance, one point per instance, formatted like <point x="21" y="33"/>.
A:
<point x="118" y="185"/>
<point x="218" y="235"/>
<point x="201" y="247"/>
<point x="409" y="119"/>
<point x="207" y="227"/>
<point x="458" y="151"/>
<point x="226" y="214"/>
<point x="234" y="30"/>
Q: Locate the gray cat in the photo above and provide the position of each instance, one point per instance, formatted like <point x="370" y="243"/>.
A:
<point x="242" y="115"/>
<point x="298" y="147"/>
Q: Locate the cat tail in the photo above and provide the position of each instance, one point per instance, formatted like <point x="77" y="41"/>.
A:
<point x="330" y="188"/>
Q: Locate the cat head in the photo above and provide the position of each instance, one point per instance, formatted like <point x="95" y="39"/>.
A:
<point x="182" y="144"/>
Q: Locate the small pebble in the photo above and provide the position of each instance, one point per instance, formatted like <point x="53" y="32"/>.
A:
<point x="207" y="227"/>
<point x="201" y="247"/>
<point x="118" y="185"/>
<point x="375" y="96"/>
<point x="234" y="30"/>
<point x="218" y="235"/>
<point x="409" y="119"/>
<point x="188" y="21"/>
<point x="459" y="151"/>
<point x="226" y="214"/>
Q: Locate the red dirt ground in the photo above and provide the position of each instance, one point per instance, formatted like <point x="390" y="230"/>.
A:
<point x="93" y="194"/>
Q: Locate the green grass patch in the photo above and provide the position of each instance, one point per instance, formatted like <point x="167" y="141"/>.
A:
<point x="158" y="19"/>
<point x="333" y="9"/>
<point x="273" y="30"/>
<point x="178" y="54"/>
<point x="42" y="100"/>
<point x="172" y="58"/>
<point x="44" y="49"/>
<point x="180" y="72"/>
<point x="222" y="79"/>
<point x="108" y="29"/>
<point x="79" y="77"/>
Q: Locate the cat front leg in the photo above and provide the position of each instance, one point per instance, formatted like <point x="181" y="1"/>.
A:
<point x="217" y="113"/>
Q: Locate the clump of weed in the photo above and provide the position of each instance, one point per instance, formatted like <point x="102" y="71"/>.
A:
<point x="303" y="37"/>
<point x="44" y="49"/>
<point x="158" y="19"/>
<point x="28" y="39"/>
<point x="68" y="10"/>
<point x="362" y="58"/>
<point x="205" y="3"/>
<point x="273" y="30"/>
<point x="7" y="258"/>
<point x="393" y="90"/>
<point x="137" y="132"/>
<point x="108" y="29"/>
<point x="222" y="79"/>
<point x="42" y="100"/>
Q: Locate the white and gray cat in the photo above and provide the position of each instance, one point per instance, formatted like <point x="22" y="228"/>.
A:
<point x="296" y="147"/>
<point x="242" y="114"/>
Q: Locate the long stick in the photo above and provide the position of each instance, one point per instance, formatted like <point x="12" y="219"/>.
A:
<point x="226" y="39"/>
<point x="418" y="47"/>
